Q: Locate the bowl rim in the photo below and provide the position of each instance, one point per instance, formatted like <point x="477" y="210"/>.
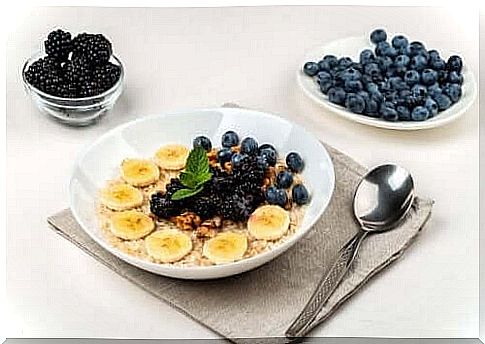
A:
<point x="212" y="269"/>
<point x="39" y="54"/>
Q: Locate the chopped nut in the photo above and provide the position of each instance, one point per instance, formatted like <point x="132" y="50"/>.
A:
<point x="205" y="232"/>
<point x="187" y="221"/>
<point x="236" y="149"/>
<point x="228" y="166"/>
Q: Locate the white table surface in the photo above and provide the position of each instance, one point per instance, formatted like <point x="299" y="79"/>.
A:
<point x="185" y="58"/>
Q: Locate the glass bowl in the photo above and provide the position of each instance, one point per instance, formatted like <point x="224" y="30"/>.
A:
<point x="74" y="111"/>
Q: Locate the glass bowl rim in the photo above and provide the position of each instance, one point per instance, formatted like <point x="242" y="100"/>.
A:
<point x="50" y="97"/>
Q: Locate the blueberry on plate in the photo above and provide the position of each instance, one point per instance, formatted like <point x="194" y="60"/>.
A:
<point x="453" y="91"/>
<point x="371" y="107"/>
<point x="399" y="41"/>
<point x="389" y="114"/>
<point x="418" y="63"/>
<point x="403" y="113"/>
<point x="323" y="77"/>
<point x="332" y="60"/>
<point x="237" y="160"/>
<point x="345" y="62"/>
<point x="249" y="146"/>
<point x="434" y="54"/>
<point x="294" y="162"/>
<point x="324" y="66"/>
<point x="419" y="91"/>
<point x="442" y="76"/>
<point x="267" y="146"/>
<point x="382" y="48"/>
<point x="411" y="77"/>
<point x="372" y="87"/>
<point x="355" y="103"/>
<point x="443" y="101"/>
<point x="261" y="163"/>
<point x="437" y="63"/>
<point x="324" y="87"/>
<point x="284" y="179"/>
<point x="351" y="73"/>
<point x="202" y="141"/>
<point x="366" y="56"/>
<point x="311" y="68"/>
<point x="432" y="107"/>
<point x="353" y="86"/>
<point x="455" y="77"/>
<point x="420" y="113"/>
<point x="384" y="63"/>
<point x="336" y="95"/>
<point x="276" y="196"/>
<point x="299" y="194"/>
<point x="224" y="155"/>
<point x="269" y="155"/>
<point x="372" y="69"/>
<point x="230" y="139"/>
<point x="378" y="35"/>
<point x="365" y="95"/>
<point x="434" y="90"/>
<point x="402" y="61"/>
<point x="429" y="76"/>
<point x="455" y="63"/>
<point x="415" y="48"/>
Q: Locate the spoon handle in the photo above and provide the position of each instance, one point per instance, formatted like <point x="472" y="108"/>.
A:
<point x="326" y="286"/>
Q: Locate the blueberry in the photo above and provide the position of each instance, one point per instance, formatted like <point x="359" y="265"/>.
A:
<point x="324" y="77"/>
<point x="432" y="107"/>
<point x="437" y="64"/>
<point x="230" y="139"/>
<point x="345" y="62"/>
<point x="324" y="66"/>
<point x="351" y="74"/>
<point x="353" y="86"/>
<point x="434" y="90"/>
<point x="311" y="68"/>
<point x="397" y="83"/>
<point x="415" y="48"/>
<point x="419" y="91"/>
<point x="429" y="76"/>
<point x="299" y="194"/>
<point x="331" y="60"/>
<point x="276" y="196"/>
<point x="294" y="162"/>
<point x="378" y="35"/>
<point x="366" y="56"/>
<point x="269" y="155"/>
<point x="237" y="159"/>
<point x="355" y="103"/>
<point x="443" y="101"/>
<point x="371" y="107"/>
<point x="399" y="41"/>
<point x="366" y="79"/>
<point x="372" y="87"/>
<point x="336" y="95"/>
<point x="442" y="76"/>
<point x="267" y="146"/>
<point x="455" y="77"/>
<point x="372" y="69"/>
<point x="284" y="179"/>
<point x="434" y="55"/>
<point x="403" y="113"/>
<point x="224" y="155"/>
<point x="324" y="87"/>
<point x="384" y="62"/>
<point x="202" y="141"/>
<point x="377" y="96"/>
<point x="365" y="95"/>
<point x="411" y="77"/>
<point x="249" y="146"/>
<point x="261" y="163"/>
<point x="418" y="62"/>
<point x="420" y="113"/>
<point x="402" y="61"/>
<point x="389" y="114"/>
<point x="453" y="91"/>
<point x="382" y="48"/>
<point x="454" y="63"/>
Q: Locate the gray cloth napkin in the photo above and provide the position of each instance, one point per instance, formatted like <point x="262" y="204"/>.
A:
<point x="262" y="303"/>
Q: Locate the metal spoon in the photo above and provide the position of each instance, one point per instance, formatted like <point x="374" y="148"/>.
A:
<point x="381" y="200"/>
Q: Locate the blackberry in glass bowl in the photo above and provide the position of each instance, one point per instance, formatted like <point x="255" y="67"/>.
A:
<point x="75" y="80"/>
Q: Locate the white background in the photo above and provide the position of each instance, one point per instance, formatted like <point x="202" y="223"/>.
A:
<point x="182" y="58"/>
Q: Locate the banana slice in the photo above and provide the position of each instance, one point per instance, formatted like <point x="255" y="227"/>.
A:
<point x="269" y="222"/>
<point x="121" y="197"/>
<point x="131" y="224"/>
<point x="225" y="247"/>
<point x="172" y="156"/>
<point x="139" y="172"/>
<point x="168" y="245"/>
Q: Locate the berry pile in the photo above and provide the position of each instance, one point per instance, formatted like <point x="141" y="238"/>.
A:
<point x="74" y="67"/>
<point x="237" y="185"/>
<point x="398" y="81"/>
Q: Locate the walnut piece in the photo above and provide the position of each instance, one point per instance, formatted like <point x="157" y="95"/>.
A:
<point x="187" y="221"/>
<point x="208" y="228"/>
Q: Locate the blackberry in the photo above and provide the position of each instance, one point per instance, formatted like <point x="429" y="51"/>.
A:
<point x="237" y="208"/>
<point x="94" y="47"/>
<point x="77" y="71"/>
<point x="205" y="207"/>
<point x="163" y="207"/>
<point x="38" y="71"/>
<point x="88" y="89"/>
<point x="58" y="45"/>
<point x="106" y="76"/>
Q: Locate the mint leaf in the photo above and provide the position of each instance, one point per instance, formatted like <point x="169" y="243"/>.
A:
<point x="188" y="179"/>
<point x="184" y="193"/>
<point x="197" y="162"/>
<point x="203" y="178"/>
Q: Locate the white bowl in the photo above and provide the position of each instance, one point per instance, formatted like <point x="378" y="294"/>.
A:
<point x="352" y="47"/>
<point x="141" y="138"/>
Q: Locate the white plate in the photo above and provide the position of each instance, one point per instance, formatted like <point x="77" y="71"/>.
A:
<point x="141" y="138"/>
<point x="352" y="47"/>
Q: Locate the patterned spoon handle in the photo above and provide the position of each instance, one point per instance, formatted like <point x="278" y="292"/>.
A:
<point x="326" y="287"/>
